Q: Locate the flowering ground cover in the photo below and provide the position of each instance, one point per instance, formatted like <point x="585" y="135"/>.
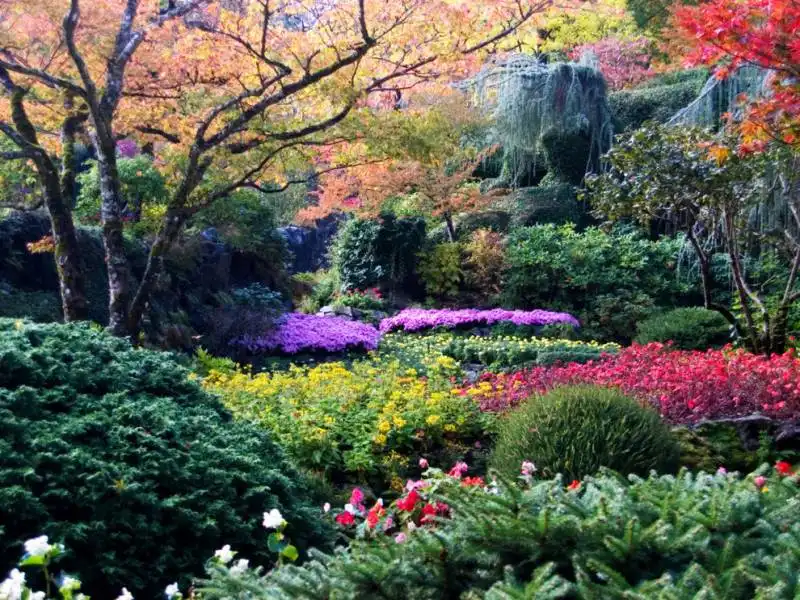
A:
<point x="493" y="352"/>
<point x="366" y="419"/>
<point x="684" y="386"/>
<point x="296" y="332"/>
<point x="416" y="319"/>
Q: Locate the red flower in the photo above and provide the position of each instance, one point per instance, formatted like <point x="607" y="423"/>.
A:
<point x="345" y="519"/>
<point x="784" y="468"/>
<point x="473" y="481"/>
<point x="409" y="502"/>
<point x="575" y="485"/>
<point x="428" y="511"/>
<point x="374" y="515"/>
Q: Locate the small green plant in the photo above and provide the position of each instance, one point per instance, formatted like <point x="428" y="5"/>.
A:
<point x="686" y="328"/>
<point x="576" y="430"/>
<point x="441" y="270"/>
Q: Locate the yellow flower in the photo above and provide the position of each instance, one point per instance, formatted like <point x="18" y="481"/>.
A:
<point x="380" y="439"/>
<point x="398" y="421"/>
<point x="433" y="419"/>
<point x="449" y="427"/>
<point x="384" y="426"/>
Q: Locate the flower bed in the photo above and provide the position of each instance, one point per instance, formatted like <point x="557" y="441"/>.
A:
<point x="416" y="319"/>
<point x="684" y="386"/>
<point x="493" y="352"/>
<point x="296" y="332"/>
<point x="368" y="418"/>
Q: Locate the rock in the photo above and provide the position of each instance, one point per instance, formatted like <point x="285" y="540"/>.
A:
<point x="309" y="245"/>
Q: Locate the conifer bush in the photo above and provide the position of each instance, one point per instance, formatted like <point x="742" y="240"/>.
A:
<point x="576" y="430"/>
<point x="686" y="328"/>
<point x="685" y="537"/>
<point x="114" y="452"/>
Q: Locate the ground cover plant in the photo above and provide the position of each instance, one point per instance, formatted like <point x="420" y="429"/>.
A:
<point x="364" y="422"/>
<point x="119" y="455"/>
<point x="684" y="386"/>
<point x="494" y="352"/>
<point x="417" y="319"/>
<point x="297" y="332"/>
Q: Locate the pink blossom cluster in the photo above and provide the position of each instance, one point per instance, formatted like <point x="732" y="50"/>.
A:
<point x="623" y="63"/>
<point x="416" y="319"/>
<point x="684" y="386"/>
<point x="297" y="332"/>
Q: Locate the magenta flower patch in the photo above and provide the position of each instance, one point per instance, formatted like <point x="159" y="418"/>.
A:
<point x="296" y="332"/>
<point x="415" y="319"/>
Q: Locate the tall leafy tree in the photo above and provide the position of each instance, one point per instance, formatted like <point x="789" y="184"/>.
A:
<point x="234" y="94"/>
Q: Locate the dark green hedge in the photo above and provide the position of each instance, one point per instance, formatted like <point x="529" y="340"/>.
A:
<point x="142" y="475"/>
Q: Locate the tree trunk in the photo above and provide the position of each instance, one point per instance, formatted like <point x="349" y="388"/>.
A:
<point x="451" y="228"/>
<point x="171" y="228"/>
<point x="119" y="276"/>
<point x="66" y="252"/>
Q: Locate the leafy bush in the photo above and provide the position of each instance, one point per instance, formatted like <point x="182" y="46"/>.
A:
<point x="691" y="536"/>
<point x="658" y="100"/>
<point x="114" y="452"/>
<point x="142" y="186"/>
<point x="554" y="202"/>
<point x="567" y="154"/>
<point x="685" y="387"/>
<point x="36" y="306"/>
<point x="368" y="253"/>
<point x="371" y="419"/>
<point x="251" y="308"/>
<point x="362" y="299"/>
<point x="609" y="281"/>
<point x="485" y="262"/>
<point x="575" y="430"/>
<point x="441" y="271"/>
<point x="686" y="328"/>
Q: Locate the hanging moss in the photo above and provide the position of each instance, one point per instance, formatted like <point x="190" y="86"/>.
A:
<point x="529" y="98"/>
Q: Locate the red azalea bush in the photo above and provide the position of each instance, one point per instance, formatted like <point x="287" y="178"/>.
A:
<point x="684" y="386"/>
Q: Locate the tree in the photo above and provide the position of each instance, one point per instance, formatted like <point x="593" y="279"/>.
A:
<point x="761" y="33"/>
<point x="623" y="63"/>
<point x="719" y="198"/>
<point x="235" y="94"/>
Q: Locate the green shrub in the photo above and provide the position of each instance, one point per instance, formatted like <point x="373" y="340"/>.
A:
<point x="609" y="281"/>
<point x="576" y="430"/>
<point x="367" y="253"/>
<point x="114" y="452"/>
<point x="658" y="100"/>
<point x="567" y="154"/>
<point x="441" y="270"/>
<point x="36" y="306"/>
<point x="664" y="537"/>
<point x="553" y="203"/>
<point x="686" y="328"/>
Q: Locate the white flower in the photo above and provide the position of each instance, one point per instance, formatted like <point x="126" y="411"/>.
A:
<point x="224" y="554"/>
<point x="273" y="519"/>
<point x="11" y="588"/>
<point x="411" y="526"/>
<point x="350" y="508"/>
<point x="38" y="546"/>
<point x="37" y="596"/>
<point x="326" y="507"/>
<point x="172" y="590"/>
<point x="125" y="595"/>
<point x="240" y="566"/>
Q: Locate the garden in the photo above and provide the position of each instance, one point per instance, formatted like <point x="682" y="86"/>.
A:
<point x="441" y="299"/>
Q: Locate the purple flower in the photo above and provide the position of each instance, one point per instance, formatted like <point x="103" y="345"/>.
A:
<point x="296" y="332"/>
<point x="127" y="148"/>
<point x="415" y="319"/>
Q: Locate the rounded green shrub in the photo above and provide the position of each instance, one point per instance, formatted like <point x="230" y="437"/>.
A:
<point x="575" y="430"/>
<point x="141" y="474"/>
<point x="686" y="328"/>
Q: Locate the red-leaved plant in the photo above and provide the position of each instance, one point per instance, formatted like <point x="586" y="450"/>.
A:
<point x="683" y="386"/>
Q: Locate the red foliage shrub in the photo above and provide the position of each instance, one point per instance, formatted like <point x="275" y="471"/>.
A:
<point x="684" y="386"/>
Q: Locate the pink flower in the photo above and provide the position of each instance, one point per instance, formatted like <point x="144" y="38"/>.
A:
<point x="458" y="470"/>
<point x="423" y="463"/>
<point x="357" y="499"/>
<point x="528" y="468"/>
<point x="400" y="538"/>
<point x="722" y="471"/>
<point x="760" y="481"/>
